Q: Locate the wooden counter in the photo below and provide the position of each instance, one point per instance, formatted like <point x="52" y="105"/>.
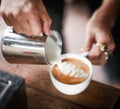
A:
<point x="41" y="94"/>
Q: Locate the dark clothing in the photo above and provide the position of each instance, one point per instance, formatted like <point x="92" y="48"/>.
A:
<point x="55" y="10"/>
<point x="112" y="67"/>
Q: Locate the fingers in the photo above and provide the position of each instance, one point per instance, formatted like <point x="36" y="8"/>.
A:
<point x="7" y="21"/>
<point x="105" y="37"/>
<point x="96" y="56"/>
<point x="35" y="24"/>
<point x="28" y="19"/>
<point x="46" y="20"/>
<point x="95" y="35"/>
<point x="89" y="41"/>
<point x="111" y="46"/>
<point x="17" y="25"/>
<point x="11" y="21"/>
<point x="46" y="25"/>
<point x="100" y="52"/>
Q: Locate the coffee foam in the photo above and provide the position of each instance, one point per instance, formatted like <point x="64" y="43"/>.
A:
<point x="72" y="70"/>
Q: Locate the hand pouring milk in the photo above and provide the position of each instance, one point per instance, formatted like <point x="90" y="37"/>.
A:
<point x="18" y="48"/>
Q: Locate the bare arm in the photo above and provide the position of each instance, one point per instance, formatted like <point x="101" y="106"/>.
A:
<point x="109" y="11"/>
<point x="99" y="30"/>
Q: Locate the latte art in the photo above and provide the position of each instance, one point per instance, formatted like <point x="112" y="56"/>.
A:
<point x="71" y="71"/>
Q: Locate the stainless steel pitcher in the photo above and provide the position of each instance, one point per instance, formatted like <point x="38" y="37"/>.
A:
<point x="21" y="49"/>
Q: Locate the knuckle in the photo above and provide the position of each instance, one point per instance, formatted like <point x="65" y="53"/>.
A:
<point x="113" y="46"/>
<point x="7" y="14"/>
<point x="97" y="54"/>
<point x="1" y="11"/>
<point x="37" y="32"/>
<point x="4" y="12"/>
<point x="28" y="9"/>
<point x="102" y="62"/>
<point x="49" y="21"/>
<point x="16" y="14"/>
<point x="28" y="33"/>
<point x="17" y="30"/>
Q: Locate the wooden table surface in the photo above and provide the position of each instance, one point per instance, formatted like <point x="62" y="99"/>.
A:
<point x="41" y="94"/>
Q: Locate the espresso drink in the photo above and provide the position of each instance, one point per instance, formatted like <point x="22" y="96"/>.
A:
<point x="72" y="71"/>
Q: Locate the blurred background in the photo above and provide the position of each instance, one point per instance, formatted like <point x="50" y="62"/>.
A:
<point x="69" y="17"/>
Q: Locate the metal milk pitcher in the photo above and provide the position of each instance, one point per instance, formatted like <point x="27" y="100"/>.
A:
<point x="21" y="49"/>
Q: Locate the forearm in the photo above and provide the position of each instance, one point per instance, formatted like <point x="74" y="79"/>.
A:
<point x="109" y="11"/>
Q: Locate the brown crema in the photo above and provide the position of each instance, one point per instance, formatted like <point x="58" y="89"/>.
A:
<point x="66" y="78"/>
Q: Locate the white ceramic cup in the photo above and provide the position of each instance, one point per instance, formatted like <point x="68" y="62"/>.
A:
<point x="72" y="89"/>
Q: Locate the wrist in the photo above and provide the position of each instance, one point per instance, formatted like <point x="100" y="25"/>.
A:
<point x="108" y="12"/>
<point x="105" y="17"/>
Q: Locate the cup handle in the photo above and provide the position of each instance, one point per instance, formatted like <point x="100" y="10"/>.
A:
<point x="85" y="54"/>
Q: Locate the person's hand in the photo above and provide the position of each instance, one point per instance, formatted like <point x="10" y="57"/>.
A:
<point x="26" y="16"/>
<point x="98" y="31"/>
